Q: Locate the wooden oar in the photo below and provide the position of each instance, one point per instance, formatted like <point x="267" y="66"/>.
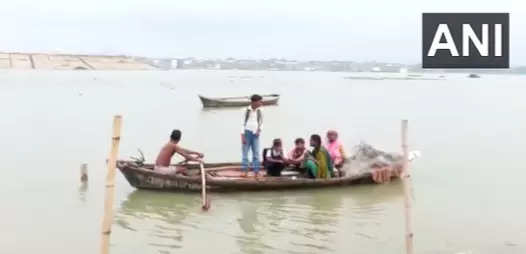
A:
<point x="205" y="201"/>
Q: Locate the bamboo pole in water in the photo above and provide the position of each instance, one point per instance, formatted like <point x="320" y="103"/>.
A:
<point x="110" y="186"/>
<point x="83" y="172"/>
<point x="408" y="192"/>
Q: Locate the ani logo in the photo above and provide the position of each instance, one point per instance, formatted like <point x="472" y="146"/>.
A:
<point x="465" y="40"/>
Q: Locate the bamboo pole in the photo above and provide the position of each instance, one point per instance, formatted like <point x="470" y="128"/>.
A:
<point x="110" y="186"/>
<point x="408" y="192"/>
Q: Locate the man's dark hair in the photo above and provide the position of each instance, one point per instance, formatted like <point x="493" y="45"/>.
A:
<point x="176" y="135"/>
<point x="299" y="141"/>
<point x="316" y="138"/>
<point x="255" y="98"/>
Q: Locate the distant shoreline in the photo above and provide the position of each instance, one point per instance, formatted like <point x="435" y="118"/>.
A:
<point x="60" y="61"/>
<point x="41" y="61"/>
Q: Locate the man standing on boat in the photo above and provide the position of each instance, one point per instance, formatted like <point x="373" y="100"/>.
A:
<point x="252" y="121"/>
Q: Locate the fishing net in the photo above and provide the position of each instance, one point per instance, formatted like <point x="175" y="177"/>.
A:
<point x="367" y="159"/>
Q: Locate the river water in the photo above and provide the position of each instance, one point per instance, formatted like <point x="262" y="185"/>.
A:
<point x="469" y="182"/>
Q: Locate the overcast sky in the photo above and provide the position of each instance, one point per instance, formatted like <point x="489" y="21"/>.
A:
<point x="386" y="30"/>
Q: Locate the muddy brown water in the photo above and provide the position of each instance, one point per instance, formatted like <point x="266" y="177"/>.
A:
<point x="469" y="182"/>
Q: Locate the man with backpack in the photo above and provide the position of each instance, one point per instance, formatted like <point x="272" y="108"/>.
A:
<point x="252" y="121"/>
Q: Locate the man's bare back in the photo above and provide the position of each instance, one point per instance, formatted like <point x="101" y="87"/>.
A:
<point x="169" y="149"/>
<point x="165" y="156"/>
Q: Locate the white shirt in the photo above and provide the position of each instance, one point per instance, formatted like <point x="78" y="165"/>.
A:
<point x="252" y="122"/>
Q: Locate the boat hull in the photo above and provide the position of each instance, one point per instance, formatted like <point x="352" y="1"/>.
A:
<point x="238" y="102"/>
<point x="227" y="178"/>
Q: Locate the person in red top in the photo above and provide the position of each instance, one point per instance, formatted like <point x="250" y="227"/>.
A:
<point x="297" y="155"/>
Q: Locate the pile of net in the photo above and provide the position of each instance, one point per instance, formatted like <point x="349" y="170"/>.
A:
<point x="367" y="159"/>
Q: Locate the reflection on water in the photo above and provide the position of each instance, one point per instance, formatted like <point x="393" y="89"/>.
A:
<point x="249" y="241"/>
<point x="166" y="212"/>
<point x="299" y="221"/>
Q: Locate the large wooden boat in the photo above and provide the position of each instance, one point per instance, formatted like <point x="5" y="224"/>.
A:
<point x="225" y="177"/>
<point x="271" y="99"/>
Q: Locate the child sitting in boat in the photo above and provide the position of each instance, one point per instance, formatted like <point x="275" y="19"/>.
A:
<point x="162" y="164"/>
<point x="276" y="161"/>
<point x="297" y="155"/>
<point x="318" y="162"/>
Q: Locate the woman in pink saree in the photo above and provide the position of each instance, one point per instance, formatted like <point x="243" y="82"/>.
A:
<point x="335" y="148"/>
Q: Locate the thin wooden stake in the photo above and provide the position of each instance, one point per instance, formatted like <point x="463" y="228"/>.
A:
<point x="408" y="192"/>
<point x="205" y="201"/>
<point x="83" y="172"/>
<point x="110" y="185"/>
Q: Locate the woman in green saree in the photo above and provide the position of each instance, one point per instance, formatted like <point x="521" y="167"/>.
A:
<point x="318" y="162"/>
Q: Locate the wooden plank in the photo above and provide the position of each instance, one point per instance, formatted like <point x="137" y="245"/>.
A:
<point x="408" y="193"/>
<point x="110" y="186"/>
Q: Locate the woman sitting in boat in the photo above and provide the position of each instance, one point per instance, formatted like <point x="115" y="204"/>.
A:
<point x="276" y="161"/>
<point x="318" y="162"/>
<point x="297" y="155"/>
<point x="162" y="164"/>
<point x="335" y="149"/>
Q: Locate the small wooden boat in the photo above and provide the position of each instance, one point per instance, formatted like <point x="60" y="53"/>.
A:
<point x="225" y="177"/>
<point x="271" y="99"/>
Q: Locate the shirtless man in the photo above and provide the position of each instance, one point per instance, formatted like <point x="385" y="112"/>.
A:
<point x="162" y="164"/>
